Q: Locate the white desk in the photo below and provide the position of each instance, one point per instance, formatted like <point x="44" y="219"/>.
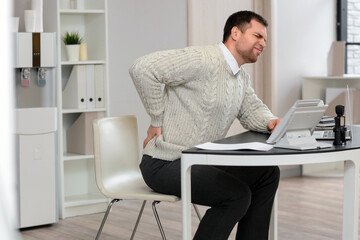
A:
<point x="349" y="153"/>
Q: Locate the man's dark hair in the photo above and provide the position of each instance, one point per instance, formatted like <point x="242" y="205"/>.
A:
<point x="241" y="19"/>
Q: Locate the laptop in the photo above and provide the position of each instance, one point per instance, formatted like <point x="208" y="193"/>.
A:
<point x="328" y="134"/>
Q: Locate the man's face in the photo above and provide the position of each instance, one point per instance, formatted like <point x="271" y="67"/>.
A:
<point x="250" y="44"/>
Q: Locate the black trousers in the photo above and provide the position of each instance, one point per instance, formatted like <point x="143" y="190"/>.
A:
<point x="242" y="195"/>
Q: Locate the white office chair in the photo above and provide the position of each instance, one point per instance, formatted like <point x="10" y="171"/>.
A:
<point x="117" y="172"/>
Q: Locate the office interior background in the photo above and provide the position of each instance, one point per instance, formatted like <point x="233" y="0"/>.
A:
<point x="300" y="36"/>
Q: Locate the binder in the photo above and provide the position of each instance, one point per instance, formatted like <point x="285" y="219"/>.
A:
<point x="99" y="86"/>
<point x="90" y="86"/>
<point x="74" y="94"/>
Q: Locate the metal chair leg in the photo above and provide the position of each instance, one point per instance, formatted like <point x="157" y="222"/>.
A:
<point x="158" y="220"/>
<point x="105" y="217"/>
<point x="138" y="220"/>
<point x="197" y="212"/>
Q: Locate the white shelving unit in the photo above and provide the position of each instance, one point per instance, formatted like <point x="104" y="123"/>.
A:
<point x="315" y="87"/>
<point x="78" y="191"/>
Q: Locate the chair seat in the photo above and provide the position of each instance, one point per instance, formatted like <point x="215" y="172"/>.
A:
<point x="134" y="188"/>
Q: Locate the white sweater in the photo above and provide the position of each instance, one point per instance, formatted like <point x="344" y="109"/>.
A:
<point x="200" y="100"/>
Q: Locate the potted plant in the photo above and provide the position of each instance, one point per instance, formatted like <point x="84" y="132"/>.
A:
<point x="72" y="43"/>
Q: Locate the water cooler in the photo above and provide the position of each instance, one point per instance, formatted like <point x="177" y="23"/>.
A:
<point x="36" y="128"/>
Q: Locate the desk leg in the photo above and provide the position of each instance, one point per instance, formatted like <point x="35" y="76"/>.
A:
<point x="186" y="197"/>
<point x="273" y="231"/>
<point x="351" y="200"/>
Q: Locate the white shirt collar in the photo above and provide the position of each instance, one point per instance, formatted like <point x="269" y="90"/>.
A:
<point x="229" y="58"/>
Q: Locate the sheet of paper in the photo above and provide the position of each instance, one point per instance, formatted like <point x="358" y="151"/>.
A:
<point x="258" y="146"/>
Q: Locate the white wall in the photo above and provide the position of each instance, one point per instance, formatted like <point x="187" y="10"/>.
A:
<point x="136" y="28"/>
<point x="206" y="26"/>
<point x="305" y="32"/>
<point x="207" y="19"/>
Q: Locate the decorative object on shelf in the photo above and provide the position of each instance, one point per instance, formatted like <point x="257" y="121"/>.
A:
<point x="73" y="4"/>
<point x="336" y="59"/>
<point x="29" y="20"/>
<point x="83" y="51"/>
<point x="68" y="4"/>
<point x="14" y="24"/>
<point x="37" y="6"/>
<point x="72" y="43"/>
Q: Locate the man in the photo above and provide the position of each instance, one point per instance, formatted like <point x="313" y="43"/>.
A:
<point x="192" y="96"/>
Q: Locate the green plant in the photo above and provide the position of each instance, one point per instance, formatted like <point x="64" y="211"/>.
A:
<point x="72" y="38"/>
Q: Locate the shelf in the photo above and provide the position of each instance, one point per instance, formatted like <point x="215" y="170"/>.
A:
<point x="65" y="111"/>
<point x="74" y="156"/>
<point x="82" y="62"/>
<point x="82" y="11"/>
<point x="344" y="77"/>
<point x="86" y="199"/>
<point x="89" y="20"/>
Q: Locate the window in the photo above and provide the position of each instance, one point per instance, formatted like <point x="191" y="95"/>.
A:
<point x="348" y="30"/>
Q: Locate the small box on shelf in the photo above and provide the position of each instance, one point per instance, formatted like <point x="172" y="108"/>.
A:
<point x="79" y="136"/>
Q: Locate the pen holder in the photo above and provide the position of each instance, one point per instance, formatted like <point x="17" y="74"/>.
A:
<point x="339" y="129"/>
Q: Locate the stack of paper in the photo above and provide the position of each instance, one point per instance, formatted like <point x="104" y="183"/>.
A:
<point x="257" y="146"/>
<point x="326" y="122"/>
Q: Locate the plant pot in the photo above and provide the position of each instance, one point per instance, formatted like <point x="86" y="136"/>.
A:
<point x="72" y="52"/>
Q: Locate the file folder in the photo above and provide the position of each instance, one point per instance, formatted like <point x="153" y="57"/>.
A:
<point x="90" y="86"/>
<point x="99" y="86"/>
<point x="74" y="94"/>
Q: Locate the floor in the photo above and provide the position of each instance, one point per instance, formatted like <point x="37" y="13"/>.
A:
<point x="310" y="208"/>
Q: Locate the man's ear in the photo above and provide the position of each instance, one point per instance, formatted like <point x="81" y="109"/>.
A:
<point x="235" y="32"/>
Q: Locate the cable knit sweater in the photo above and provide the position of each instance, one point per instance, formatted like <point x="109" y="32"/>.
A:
<point x="194" y="96"/>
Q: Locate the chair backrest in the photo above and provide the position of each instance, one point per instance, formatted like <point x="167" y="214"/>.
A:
<point x="116" y="150"/>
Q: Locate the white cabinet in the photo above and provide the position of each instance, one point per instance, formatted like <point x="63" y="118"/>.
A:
<point x="36" y="144"/>
<point x="78" y="191"/>
<point x="315" y="87"/>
